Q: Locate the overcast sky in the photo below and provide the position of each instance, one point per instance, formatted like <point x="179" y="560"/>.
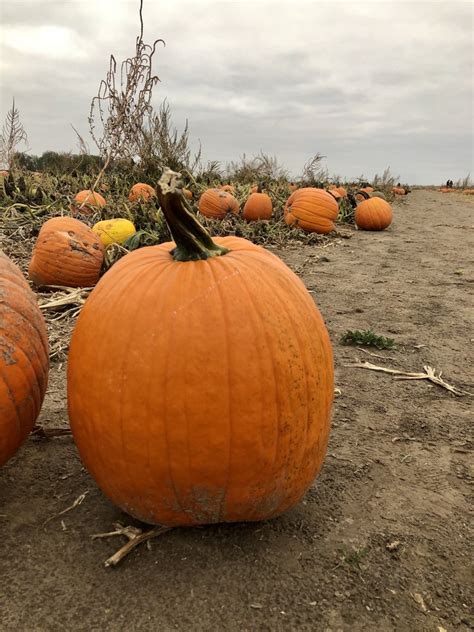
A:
<point x="367" y="84"/>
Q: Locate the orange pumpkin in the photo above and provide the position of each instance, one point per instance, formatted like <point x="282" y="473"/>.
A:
<point x="227" y="187"/>
<point x="368" y="189"/>
<point x="373" y="214"/>
<point x="342" y="191"/>
<point x="23" y="359"/>
<point x="216" y="203"/>
<point x="217" y="420"/>
<point x="313" y="210"/>
<point x="258" y="206"/>
<point x="336" y="195"/>
<point x="398" y="191"/>
<point x="141" y="192"/>
<point x="87" y="202"/>
<point x="188" y="194"/>
<point x="66" y="252"/>
<point x="361" y="195"/>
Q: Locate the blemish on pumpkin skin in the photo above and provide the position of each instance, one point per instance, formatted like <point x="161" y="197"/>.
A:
<point x="7" y="355"/>
<point x="76" y="246"/>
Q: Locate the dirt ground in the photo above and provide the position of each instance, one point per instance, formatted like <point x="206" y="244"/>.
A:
<point x="380" y="542"/>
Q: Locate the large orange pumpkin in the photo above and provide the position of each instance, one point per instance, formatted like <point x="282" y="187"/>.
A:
<point x="216" y="203"/>
<point x="87" y="202"/>
<point x="219" y="410"/>
<point x="23" y="359"/>
<point x="314" y="210"/>
<point x="373" y="214"/>
<point x="141" y="192"/>
<point x="66" y="252"/>
<point x="258" y="206"/>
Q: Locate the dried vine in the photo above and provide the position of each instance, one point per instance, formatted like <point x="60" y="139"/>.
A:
<point x="118" y="111"/>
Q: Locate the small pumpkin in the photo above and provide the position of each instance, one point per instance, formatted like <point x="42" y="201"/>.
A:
<point x="313" y="210"/>
<point x="218" y="420"/>
<point x="362" y="195"/>
<point x="227" y="187"/>
<point x="141" y="192"/>
<point x="66" y="252"/>
<point x="24" y="359"/>
<point x="398" y="191"/>
<point x="342" y="191"/>
<point x="114" y="231"/>
<point x="216" y="203"/>
<point x="87" y="202"/>
<point x="188" y="194"/>
<point x="335" y="194"/>
<point x="373" y="214"/>
<point x="258" y="206"/>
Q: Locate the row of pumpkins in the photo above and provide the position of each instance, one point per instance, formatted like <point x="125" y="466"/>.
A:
<point x="69" y="253"/>
<point x="452" y="190"/>
<point x="169" y="434"/>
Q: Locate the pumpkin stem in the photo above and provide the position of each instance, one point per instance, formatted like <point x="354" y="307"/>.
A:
<point x="192" y="240"/>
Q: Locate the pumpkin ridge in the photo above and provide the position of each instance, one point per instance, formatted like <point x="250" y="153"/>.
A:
<point x="28" y="365"/>
<point x="166" y="414"/>
<point x="33" y="323"/>
<point x="105" y="325"/>
<point x="29" y="372"/>
<point x="226" y="354"/>
<point x="284" y="304"/>
<point x="274" y="370"/>
<point x="39" y="354"/>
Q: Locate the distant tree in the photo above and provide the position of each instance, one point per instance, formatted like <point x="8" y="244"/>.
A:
<point x="27" y="162"/>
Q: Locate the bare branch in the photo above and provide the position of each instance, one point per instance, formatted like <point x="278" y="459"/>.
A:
<point x="13" y="134"/>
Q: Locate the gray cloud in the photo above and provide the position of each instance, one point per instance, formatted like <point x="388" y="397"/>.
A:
<point x="366" y="84"/>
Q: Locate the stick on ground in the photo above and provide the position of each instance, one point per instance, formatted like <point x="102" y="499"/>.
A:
<point x="135" y="537"/>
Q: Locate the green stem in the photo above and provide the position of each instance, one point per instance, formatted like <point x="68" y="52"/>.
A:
<point x="192" y="240"/>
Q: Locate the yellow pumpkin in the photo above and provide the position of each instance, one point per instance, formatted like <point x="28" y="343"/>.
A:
<point x="114" y="231"/>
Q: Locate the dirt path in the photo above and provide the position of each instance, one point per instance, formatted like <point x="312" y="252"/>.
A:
<point x="381" y="542"/>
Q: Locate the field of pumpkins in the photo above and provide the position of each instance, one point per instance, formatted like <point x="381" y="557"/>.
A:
<point x="199" y="338"/>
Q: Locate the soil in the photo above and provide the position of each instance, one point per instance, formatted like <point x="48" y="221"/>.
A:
<point x="381" y="540"/>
